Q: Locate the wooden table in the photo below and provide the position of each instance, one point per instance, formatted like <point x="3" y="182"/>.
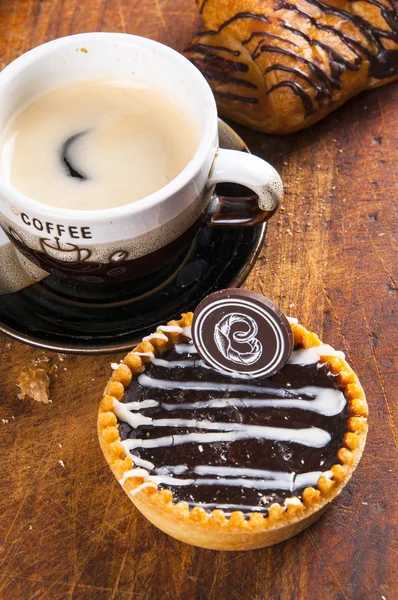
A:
<point x="67" y="530"/>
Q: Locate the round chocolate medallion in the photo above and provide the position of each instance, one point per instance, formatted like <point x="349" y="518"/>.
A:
<point x="240" y="331"/>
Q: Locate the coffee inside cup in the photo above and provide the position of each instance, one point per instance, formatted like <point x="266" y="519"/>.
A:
<point x="97" y="143"/>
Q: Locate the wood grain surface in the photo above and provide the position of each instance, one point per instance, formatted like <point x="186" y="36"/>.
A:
<point x="67" y="530"/>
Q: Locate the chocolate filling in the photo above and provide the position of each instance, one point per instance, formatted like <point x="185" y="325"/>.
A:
<point x="243" y="485"/>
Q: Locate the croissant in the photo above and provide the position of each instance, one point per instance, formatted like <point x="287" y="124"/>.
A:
<point x="281" y="65"/>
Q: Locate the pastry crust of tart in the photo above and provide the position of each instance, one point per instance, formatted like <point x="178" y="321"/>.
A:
<point x="213" y="529"/>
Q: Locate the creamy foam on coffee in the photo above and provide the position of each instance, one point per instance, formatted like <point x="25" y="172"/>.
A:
<point x="97" y="144"/>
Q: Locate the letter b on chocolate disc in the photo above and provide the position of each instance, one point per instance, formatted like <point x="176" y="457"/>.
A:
<point x="239" y="331"/>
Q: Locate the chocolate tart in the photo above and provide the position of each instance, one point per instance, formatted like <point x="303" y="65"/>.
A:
<point x="225" y="461"/>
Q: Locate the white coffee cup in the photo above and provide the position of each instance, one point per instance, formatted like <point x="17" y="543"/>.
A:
<point x="129" y="240"/>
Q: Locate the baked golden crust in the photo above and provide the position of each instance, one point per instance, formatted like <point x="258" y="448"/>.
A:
<point x="214" y="529"/>
<point x="281" y="65"/>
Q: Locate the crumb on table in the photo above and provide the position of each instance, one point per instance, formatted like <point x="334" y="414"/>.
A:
<point x="34" y="380"/>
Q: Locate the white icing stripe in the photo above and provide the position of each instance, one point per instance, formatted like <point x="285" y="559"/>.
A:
<point x="309" y="356"/>
<point x="176" y="440"/>
<point x="293" y="501"/>
<point x="150" y="354"/>
<point x="239" y="471"/>
<point x="140" y="405"/>
<point x="229" y="477"/>
<point x="228" y="508"/>
<point x="140" y="462"/>
<point x="303" y="356"/>
<point x="187" y="331"/>
<point x="303" y="480"/>
<point x="142" y="486"/>
<point x="137" y="472"/>
<point x="173" y="470"/>
<point x="259" y="484"/>
<point x="327" y="402"/>
<point x="311" y="436"/>
<point x="155" y="336"/>
<point x="172" y="364"/>
<point x="133" y="419"/>
<point x="232" y="374"/>
<point x="185" y="349"/>
<point x="165" y="384"/>
<point x="170" y="480"/>
<point x="291" y="481"/>
<point x="188" y="363"/>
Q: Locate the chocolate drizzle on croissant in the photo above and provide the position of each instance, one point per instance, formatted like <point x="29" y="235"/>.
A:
<point x="288" y="64"/>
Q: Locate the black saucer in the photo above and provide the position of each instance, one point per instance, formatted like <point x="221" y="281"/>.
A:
<point x="70" y="316"/>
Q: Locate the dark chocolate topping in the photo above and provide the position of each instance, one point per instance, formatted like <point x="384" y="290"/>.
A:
<point x="186" y="430"/>
<point x="298" y="90"/>
<point x="243" y="332"/>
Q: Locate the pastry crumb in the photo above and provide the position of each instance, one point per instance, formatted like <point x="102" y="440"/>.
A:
<point x="34" y="380"/>
<point x="267" y="499"/>
<point x="61" y="462"/>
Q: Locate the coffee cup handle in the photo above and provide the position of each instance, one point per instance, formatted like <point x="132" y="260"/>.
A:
<point x="234" y="166"/>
